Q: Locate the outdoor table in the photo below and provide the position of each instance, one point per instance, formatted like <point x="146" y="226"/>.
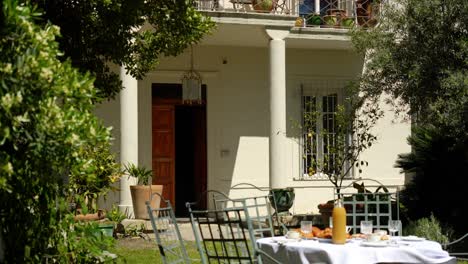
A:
<point x="354" y="251"/>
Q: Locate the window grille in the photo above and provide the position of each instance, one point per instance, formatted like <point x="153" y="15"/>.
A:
<point x="319" y="103"/>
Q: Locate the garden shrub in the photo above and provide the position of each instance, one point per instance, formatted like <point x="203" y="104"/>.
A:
<point x="438" y="163"/>
<point x="429" y="228"/>
<point x="46" y="121"/>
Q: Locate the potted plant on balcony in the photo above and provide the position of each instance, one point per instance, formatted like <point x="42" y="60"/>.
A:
<point x="314" y="20"/>
<point x="264" y="6"/>
<point x="142" y="191"/>
<point x="347" y="22"/>
<point x="330" y="21"/>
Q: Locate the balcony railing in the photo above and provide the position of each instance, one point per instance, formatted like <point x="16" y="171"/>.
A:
<point x="310" y="13"/>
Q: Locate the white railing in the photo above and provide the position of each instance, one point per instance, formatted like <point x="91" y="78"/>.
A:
<point x="315" y="13"/>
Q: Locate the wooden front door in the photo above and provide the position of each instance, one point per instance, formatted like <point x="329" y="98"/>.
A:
<point x="164" y="149"/>
<point x="179" y="146"/>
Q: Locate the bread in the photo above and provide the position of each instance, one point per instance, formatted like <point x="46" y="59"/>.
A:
<point x="317" y="232"/>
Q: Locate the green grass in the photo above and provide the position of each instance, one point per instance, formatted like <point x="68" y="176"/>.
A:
<point x="142" y="251"/>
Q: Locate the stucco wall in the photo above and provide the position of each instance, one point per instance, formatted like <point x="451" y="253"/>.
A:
<point x="238" y="117"/>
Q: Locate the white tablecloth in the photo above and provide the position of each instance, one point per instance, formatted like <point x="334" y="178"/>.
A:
<point x="312" y="251"/>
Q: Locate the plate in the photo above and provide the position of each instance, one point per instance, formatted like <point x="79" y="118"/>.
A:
<point x="374" y="244"/>
<point x="328" y="240"/>
<point x="412" y="238"/>
<point x="283" y="240"/>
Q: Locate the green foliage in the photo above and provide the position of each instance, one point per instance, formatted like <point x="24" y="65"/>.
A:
<point x="141" y="173"/>
<point x="418" y="55"/>
<point x="352" y="134"/>
<point x="115" y="215"/>
<point x="429" y="228"/>
<point x="438" y="177"/>
<point x="95" y="178"/>
<point x="83" y="243"/>
<point x="46" y="122"/>
<point x="134" y="33"/>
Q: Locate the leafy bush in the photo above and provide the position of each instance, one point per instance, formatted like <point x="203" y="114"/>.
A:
<point x="46" y="123"/>
<point x="429" y="228"/>
<point x="96" y="179"/>
<point x="438" y="165"/>
<point x="141" y="173"/>
<point x="115" y="215"/>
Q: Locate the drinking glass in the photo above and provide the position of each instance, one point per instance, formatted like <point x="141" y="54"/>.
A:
<point x="394" y="226"/>
<point x="306" y="227"/>
<point x="366" y="227"/>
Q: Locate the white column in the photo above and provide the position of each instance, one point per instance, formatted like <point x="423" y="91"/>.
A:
<point x="317" y="6"/>
<point x="128" y="135"/>
<point x="277" y="46"/>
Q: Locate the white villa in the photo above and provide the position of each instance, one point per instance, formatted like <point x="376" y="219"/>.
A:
<point x="256" y="68"/>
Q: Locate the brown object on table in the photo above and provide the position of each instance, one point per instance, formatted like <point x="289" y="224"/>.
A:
<point x="304" y="235"/>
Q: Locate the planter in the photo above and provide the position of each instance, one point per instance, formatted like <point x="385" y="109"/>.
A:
<point x="90" y="217"/>
<point x="107" y="229"/>
<point x="347" y="22"/>
<point x="264" y="6"/>
<point x="283" y="199"/>
<point x="314" y="20"/>
<point x="141" y="194"/>
<point x="330" y="21"/>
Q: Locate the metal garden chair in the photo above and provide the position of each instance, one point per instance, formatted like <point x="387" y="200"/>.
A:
<point x="226" y="235"/>
<point x="455" y="252"/>
<point x="365" y="205"/>
<point x="259" y="210"/>
<point x="168" y="238"/>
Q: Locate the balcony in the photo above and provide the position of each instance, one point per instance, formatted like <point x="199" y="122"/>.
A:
<point x="308" y="13"/>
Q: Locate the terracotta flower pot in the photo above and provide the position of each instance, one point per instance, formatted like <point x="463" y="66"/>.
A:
<point x="264" y="6"/>
<point x="141" y="194"/>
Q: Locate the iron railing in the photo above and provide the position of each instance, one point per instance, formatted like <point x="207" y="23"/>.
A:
<point x="310" y="13"/>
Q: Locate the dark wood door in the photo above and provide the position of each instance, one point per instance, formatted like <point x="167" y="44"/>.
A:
<point x="164" y="149"/>
<point x="179" y="146"/>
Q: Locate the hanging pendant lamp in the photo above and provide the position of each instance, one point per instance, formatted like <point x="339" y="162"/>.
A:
<point x="191" y="84"/>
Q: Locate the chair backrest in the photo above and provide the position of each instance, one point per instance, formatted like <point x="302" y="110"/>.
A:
<point x="168" y="238"/>
<point x="260" y="208"/>
<point x="259" y="211"/>
<point x="458" y="248"/>
<point x="224" y="235"/>
<point x="369" y="203"/>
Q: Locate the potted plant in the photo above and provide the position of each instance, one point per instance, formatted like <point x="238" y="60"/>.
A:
<point x="353" y="121"/>
<point x="367" y="12"/>
<point x="282" y="199"/>
<point x="329" y="21"/>
<point x="142" y="191"/>
<point x="314" y="19"/>
<point x="116" y="217"/>
<point x="85" y="187"/>
<point x="347" y="22"/>
<point x="264" y="6"/>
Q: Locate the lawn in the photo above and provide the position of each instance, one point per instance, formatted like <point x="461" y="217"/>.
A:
<point x="137" y="250"/>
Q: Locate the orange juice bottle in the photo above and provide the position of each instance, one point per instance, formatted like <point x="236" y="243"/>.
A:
<point x="339" y="223"/>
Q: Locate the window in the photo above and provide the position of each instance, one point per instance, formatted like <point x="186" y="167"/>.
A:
<point x="319" y="128"/>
